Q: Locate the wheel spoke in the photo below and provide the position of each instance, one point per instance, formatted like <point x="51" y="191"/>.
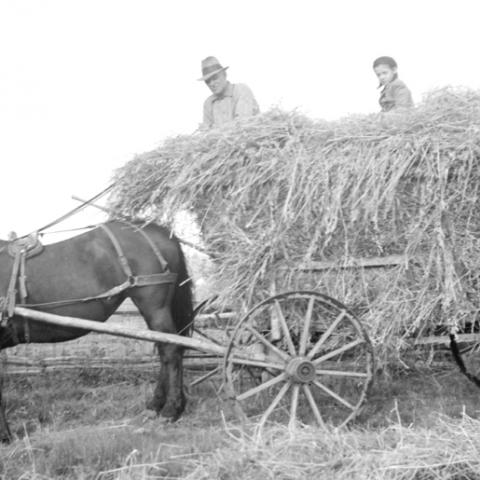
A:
<point x="316" y="348"/>
<point x="265" y="342"/>
<point x="338" y="398"/>
<point x="337" y="351"/>
<point x="257" y="363"/>
<point x="273" y="405"/>
<point x="263" y="386"/>
<point x="211" y="373"/>
<point x="284" y="325"/>
<point x="340" y="373"/>
<point x="313" y="406"/>
<point x="306" y="327"/>
<point x="208" y="337"/>
<point x="293" y="409"/>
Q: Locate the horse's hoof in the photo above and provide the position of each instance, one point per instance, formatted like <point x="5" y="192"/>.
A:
<point x="170" y="414"/>
<point x="164" y="420"/>
<point x="155" y="404"/>
<point x="149" y="414"/>
<point x="150" y="405"/>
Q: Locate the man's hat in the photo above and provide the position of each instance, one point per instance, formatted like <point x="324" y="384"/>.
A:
<point x="210" y="67"/>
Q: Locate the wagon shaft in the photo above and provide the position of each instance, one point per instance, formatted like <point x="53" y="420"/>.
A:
<point x="147" y="335"/>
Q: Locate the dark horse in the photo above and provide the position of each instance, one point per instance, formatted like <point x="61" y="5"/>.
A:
<point x="88" y="277"/>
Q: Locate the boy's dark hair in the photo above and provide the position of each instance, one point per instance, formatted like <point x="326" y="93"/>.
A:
<point x="385" y="61"/>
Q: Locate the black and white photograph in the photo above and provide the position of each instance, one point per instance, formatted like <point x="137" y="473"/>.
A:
<point x="239" y="240"/>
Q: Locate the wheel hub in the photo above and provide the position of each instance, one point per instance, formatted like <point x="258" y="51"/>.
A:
<point x="301" y="370"/>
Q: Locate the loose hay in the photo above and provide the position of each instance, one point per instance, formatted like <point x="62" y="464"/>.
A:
<point x="279" y="190"/>
<point x="448" y="451"/>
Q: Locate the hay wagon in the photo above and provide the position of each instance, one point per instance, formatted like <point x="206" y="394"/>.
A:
<point x="281" y="186"/>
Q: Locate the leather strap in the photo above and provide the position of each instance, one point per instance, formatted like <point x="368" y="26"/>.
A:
<point x="139" y="281"/>
<point x="165" y="277"/>
<point x="155" y="279"/>
<point x="160" y="257"/>
<point x="12" y="291"/>
<point x="123" y="260"/>
<point x="17" y="275"/>
<point x="22" y="278"/>
<point x="22" y="287"/>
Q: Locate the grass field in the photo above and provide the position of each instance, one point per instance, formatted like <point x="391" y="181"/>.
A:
<point x="419" y="423"/>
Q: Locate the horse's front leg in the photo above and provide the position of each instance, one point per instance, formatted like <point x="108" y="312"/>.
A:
<point x="168" y="398"/>
<point x="171" y="357"/>
<point x="159" y="398"/>
<point x="5" y="435"/>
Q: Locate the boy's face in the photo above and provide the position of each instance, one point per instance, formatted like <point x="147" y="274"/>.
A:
<point x="385" y="73"/>
<point x="218" y="83"/>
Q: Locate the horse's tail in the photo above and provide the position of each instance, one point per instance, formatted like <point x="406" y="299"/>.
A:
<point x="182" y="302"/>
<point x="458" y="359"/>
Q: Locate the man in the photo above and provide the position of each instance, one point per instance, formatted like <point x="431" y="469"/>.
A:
<point x="228" y="101"/>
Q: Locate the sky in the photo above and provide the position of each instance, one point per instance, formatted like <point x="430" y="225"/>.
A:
<point x="86" y="85"/>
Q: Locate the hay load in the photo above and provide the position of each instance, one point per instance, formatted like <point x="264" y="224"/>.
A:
<point x="280" y="190"/>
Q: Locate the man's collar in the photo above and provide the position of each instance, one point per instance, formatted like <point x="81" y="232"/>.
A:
<point x="228" y="92"/>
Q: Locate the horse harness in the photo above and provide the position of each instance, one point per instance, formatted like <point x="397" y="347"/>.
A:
<point x="26" y="247"/>
<point x="19" y="249"/>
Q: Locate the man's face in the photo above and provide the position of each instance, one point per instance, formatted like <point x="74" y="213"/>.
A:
<point x="218" y="83"/>
<point x="385" y="73"/>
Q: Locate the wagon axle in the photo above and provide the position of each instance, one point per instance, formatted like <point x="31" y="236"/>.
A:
<point x="301" y="370"/>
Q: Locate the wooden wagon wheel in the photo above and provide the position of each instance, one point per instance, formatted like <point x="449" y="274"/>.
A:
<point x="319" y="369"/>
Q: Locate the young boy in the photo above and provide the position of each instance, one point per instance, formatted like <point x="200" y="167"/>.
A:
<point x="395" y="93"/>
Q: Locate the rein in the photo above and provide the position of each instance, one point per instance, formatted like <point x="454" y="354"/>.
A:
<point x="76" y="209"/>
